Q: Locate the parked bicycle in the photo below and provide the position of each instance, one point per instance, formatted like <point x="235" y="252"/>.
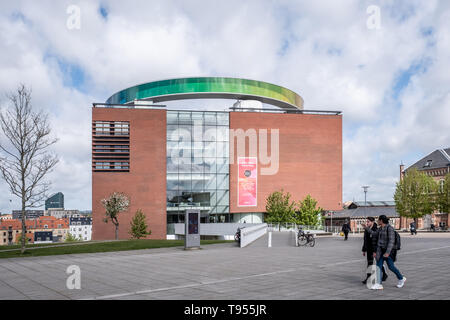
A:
<point x="305" y="239"/>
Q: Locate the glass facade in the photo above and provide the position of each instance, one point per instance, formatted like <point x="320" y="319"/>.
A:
<point x="198" y="165"/>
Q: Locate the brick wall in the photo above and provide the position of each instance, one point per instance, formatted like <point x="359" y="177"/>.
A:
<point x="145" y="183"/>
<point x="310" y="148"/>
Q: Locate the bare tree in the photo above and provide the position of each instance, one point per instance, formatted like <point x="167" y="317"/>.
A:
<point x="25" y="158"/>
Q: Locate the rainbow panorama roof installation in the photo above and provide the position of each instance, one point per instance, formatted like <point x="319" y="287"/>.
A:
<point x="210" y="87"/>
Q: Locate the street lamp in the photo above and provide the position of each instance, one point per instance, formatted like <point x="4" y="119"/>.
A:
<point x="365" y="194"/>
<point x="331" y="225"/>
<point x="365" y="198"/>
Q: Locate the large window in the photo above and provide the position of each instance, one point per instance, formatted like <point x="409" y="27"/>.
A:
<point x="197" y="164"/>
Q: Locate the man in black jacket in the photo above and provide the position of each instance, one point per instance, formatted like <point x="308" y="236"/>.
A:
<point x="385" y="251"/>
<point x="346" y="229"/>
<point x="370" y="246"/>
<point x="412" y="227"/>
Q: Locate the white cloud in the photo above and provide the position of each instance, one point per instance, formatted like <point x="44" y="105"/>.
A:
<point x="322" y="50"/>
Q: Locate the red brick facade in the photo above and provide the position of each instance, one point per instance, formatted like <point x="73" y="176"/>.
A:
<point x="310" y="162"/>
<point x="145" y="183"/>
<point x="310" y="158"/>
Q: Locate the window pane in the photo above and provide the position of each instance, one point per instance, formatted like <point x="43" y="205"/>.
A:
<point x="222" y="182"/>
<point x="222" y="118"/>
<point x="223" y="134"/>
<point x="198" y="185"/>
<point x="209" y="165"/>
<point x="172" y="197"/>
<point x="184" y="118"/>
<point x="184" y="182"/>
<point x="222" y="149"/>
<point x="184" y="167"/>
<point x="172" y="164"/>
<point x="209" y="133"/>
<point x="222" y="209"/>
<point x="197" y="167"/>
<point x="211" y="183"/>
<point x="197" y="118"/>
<point x="210" y="118"/>
<point x="209" y="150"/>
<point x="172" y="132"/>
<point x="197" y="149"/>
<point x="172" y="117"/>
<point x="221" y="195"/>
<point x="185" y="132"/>
<point x="222" y="166"/>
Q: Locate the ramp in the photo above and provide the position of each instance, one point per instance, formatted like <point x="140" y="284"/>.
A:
<point x="279" y="239"/>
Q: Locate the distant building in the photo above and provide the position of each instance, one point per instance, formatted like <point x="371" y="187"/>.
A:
<point x="7" y="236"/>
<point x="358" y="211"/>
<point x="55" y="201"/>
<point x="60" y="227"/>
<point x="29" y="214"/>
<point x="6" y="217"/>
<point x="43" y="237"/>
<point x="86" y="213"/>
<point x="62" y="213"/>
<point x="436" y="165"/>
<point x="81" y="228"/>
<point x="11" y="230"/>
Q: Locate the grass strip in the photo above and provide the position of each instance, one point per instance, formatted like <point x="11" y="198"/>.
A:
<point x="94" y="247"/>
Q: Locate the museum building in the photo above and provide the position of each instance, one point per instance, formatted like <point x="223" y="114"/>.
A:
<point x="218" y="145"/>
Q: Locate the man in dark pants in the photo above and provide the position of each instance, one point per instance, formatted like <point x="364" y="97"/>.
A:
<point x="346" y="229"/>
<point x="370" y="246"/>
<point x="412" y="227"/>
<point x="385" y="251"/>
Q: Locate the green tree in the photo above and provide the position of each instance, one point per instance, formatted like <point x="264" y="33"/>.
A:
<point x="139" y="226"/>
<point x="71" y="238"/>
<point x="21" y="239"/>
<point x="415" y="195"/>
<point x="308" y="213"/>
<point x="114" y="204"/>
<point x="280" y="208"/>
<point x="443" y="199"/>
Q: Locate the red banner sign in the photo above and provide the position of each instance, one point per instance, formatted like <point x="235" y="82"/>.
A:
<point x="247" y="182"/>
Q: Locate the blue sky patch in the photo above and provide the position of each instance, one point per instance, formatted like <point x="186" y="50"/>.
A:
<point x="403" y="78"/>
<point x="103" y="12"/>
<point x="73" y="74"/>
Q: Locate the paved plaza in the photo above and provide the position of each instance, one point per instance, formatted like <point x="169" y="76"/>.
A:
<point x="333" y="269"/>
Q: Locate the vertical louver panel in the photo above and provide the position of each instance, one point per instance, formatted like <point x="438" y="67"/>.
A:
<point x="111" y="146"/>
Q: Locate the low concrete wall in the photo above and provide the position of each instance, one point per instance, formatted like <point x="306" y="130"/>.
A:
<point x="250" y="234"/>
<point x="215" y="229"/>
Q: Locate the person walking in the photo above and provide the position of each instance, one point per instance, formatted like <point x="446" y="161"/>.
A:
<point x="346" y="229"/>
<point x="370" y="246"/>
<point x="412" y="228"/>
<point x="385" y="251"/>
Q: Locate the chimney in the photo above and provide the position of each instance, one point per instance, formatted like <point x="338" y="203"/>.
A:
<point x="402" y="167"/>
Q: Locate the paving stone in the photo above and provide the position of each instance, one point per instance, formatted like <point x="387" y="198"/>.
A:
<point x="333" y="269"/>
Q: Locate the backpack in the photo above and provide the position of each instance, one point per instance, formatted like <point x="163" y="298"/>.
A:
<point x="397" y="241"/>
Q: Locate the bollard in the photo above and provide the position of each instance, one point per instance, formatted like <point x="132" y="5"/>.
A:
<point x="296" y="238"/>
<point x="270" y="240"/>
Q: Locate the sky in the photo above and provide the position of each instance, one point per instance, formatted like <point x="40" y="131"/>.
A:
<point x="384" y="64"/>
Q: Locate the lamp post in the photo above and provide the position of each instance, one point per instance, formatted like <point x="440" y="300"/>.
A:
<point x="330" y="213"/>
<point x="331" y="221"/>
<point x="365" y="194"/>
<point x="365" y="198"/>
